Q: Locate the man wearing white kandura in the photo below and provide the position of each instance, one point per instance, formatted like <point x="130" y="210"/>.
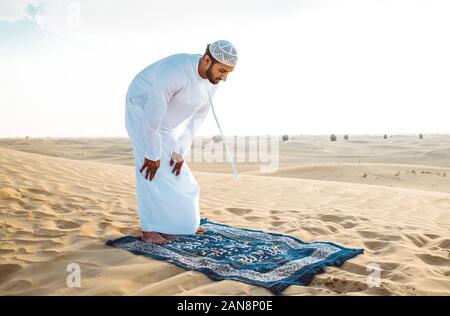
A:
<point x="170" y="92"/>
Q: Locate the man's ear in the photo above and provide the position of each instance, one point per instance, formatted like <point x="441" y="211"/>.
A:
<point x="207" y="60"/>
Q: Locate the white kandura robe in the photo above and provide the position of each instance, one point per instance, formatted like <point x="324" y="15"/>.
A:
<point x="159" y="99"/>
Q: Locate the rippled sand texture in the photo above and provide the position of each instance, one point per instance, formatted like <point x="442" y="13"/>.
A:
<point x="61" y="199"/>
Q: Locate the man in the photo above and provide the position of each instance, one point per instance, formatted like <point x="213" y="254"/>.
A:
<point x="171" y="92"/>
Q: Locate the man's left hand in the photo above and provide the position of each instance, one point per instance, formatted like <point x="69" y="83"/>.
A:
<point x="177" y="162"/>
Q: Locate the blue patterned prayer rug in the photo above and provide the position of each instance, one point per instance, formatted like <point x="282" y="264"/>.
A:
<point x="274" y="261"/>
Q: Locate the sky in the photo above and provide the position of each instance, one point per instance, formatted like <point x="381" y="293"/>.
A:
<point x="305" y="67"/>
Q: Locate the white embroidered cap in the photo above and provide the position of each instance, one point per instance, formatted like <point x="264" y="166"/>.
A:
<point x="224" y="52"/>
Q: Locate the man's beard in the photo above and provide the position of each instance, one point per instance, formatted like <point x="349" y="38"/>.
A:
<point x="210" y="76"/>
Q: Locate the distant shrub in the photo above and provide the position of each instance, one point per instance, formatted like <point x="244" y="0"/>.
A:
<point x="346" y="137"/>
<point x="333" y="138"/>
<point x="385" y="136"/>
<point x="420" y="136"/>
<point x="217" y="138"/>
<point x="285" y="138"/>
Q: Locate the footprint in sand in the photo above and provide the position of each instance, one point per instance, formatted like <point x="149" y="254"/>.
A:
<point x="355" y="268"/>
<point x="7" y="271"/>
<point x="367" y="234"/>
<point x="277" y="223"/>
<point x="30" y="207"/>
<point x="42" y="214"/>
<point x="104" y="224"/>
<point x="375" y="245"/>
<point x="397" y="276"/>
<point x="432" y="236"/>
<point x="17" y="285"/>
<point x="21" y="213"/>
<point x="344" y="221"/>
<point x="43" y="244"/>
<point x="124" y="213"/>
<point x="417" y="239"/>
<point x="332" y="228"/>
<point x="275" y="212"/>
<point x="63" y="224"/>
<point x="238" y="211"/>
<point x="253" y="218"/>
<point x="316" y="230"/>
<point x="74" y="206"/>
<point x="444" y="244"/>
<point x="58" y="207"/>
<point x="340" y="286"/>
<point x="379" y="236"/>
<point x="334" y="218"/>
<point x="348" y="224"/>
<point x="390" y="266"/>
<point x="49" y="233"/>
<point x="434" y="260"/>
<point x="38" y="191"/>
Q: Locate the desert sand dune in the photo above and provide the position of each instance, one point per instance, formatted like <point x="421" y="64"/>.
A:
<point x="59" y="207"/>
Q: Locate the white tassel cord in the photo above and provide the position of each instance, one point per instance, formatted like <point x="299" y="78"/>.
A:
<point x="229" y="157"/>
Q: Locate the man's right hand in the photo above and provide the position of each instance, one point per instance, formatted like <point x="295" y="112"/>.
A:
<point x="151" y="166"/>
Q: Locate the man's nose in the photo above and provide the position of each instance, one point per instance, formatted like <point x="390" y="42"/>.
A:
<point x="224" y="78"/>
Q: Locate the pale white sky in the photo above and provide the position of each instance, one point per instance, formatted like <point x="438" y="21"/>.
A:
<point x="306" y="67"/>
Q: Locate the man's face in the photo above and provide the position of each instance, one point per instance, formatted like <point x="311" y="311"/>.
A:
<point x="217" y="72"/>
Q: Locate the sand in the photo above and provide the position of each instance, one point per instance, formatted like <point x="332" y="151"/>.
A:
<point x="61" y="199"/>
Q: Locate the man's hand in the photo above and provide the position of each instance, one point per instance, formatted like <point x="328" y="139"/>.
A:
<point x="178" y="161"/>
<point x="151" y="166"/>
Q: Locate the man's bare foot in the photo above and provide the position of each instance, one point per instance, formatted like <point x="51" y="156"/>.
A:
<point x="154" y="238"/>
<point x="167" y="235"/>
<point x="200" y="230"/>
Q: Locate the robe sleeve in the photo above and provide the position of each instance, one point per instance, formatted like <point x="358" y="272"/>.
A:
<point x="184" y="142"/>
<point x="160" y="92"/>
